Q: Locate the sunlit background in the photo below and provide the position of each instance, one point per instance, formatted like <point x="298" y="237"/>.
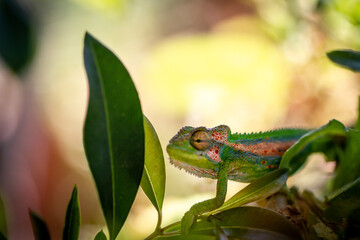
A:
<point x="253" y="65"/>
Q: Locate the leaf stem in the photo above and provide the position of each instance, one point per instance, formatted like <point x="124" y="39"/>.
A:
<point x="161" y="231"/>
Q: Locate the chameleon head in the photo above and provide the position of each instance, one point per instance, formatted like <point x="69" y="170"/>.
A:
<point x="197" y="149"/>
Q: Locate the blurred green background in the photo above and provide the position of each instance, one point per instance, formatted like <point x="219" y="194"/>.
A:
<point x="253" y="65"/>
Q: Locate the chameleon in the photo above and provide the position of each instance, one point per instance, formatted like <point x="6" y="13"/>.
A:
<point x="219" y="154"/>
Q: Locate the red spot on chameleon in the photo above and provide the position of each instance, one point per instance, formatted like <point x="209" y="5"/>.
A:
<point x="217" y="137"/>
<point x="213" y="154"/>
<point x="263" y="162"/>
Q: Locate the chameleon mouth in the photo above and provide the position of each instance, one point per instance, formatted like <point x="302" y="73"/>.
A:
<point x="199" y="172"/>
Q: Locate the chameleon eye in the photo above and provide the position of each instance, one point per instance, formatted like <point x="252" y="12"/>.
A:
<point x="201" y="140"/>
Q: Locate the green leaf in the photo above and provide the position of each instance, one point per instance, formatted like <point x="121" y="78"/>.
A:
<point x="249" y="223"/>
<point x="100" y="236"/>
<point x="322" y="139"/>
<point x="346" y="58"/>
<point x="113" y="133"/>
<point x="153" y="178"/>
<point x="189" y="237"/>
<point x="244" y="223"/>
<point x="348" y="169"/>
<point x="259" y="189"/>
<point x="40" y="229"/>
<point x="72" y="219"/>
<point x="17" y="41"/>
<point x="3" y="225"/>
<point x="344" y="202"/>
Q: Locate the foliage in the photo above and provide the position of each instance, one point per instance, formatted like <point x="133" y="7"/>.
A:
<point x="124" y="152"/>
<point x="72" y="221"/>
<point x="337" y="142"/>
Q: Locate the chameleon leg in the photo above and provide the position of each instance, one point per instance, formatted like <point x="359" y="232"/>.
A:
<point x="207" y="205"/>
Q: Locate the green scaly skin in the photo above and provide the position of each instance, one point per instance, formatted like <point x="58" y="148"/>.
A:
<point x="218" y="154"/>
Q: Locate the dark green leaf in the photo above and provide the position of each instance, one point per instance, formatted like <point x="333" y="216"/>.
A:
<point x="346" y="58"/>
<point x="2" y="237"/>
<point x="153" y="179"/>
<point x="248" y="223"/>
<point x="3" y="227"/>
<point x="259" y="189"/>
<point x="100" y="236"/>
<point x="113" y="133"/>
<point x="325" y="139"/>
<point x="344" y="202"/>
<point x="189" y="237"/>
<point x="17" y="43"/>
<point x="40" y="229"/>
<point x="72" y="220"/>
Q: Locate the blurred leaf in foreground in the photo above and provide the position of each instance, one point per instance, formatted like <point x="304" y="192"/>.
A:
<point x="40" y="229"/>
<point x="3" y="225"/>
<point x="17" y="44"/>
<point x="2" y="237"/>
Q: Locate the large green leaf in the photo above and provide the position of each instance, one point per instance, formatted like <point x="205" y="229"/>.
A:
<point x="17" y="41"/>
<point x="113" y="133"/>
<point x="324" y="139"/>
<point x="72" y="219"/>
<point x="244" y="223"/>
<point x="40" y="229"/>
<point x="153" y="179"/>
<point x="259" y="189"/>
<point x="347" y="58"/>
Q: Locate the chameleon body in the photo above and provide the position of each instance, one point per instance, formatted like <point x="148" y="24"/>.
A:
<point x="217" y="153"/>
